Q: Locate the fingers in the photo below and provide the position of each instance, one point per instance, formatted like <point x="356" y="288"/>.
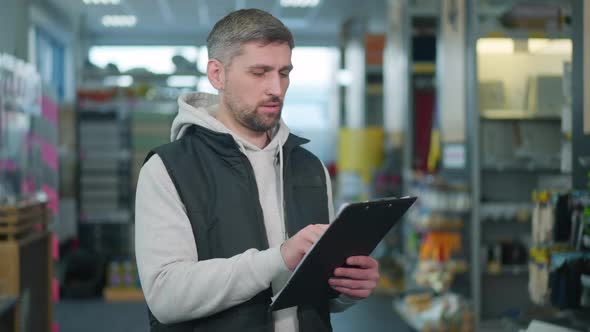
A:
<point x="357" y="274"/>
<point x="316" y="230"/>
<point x="355" y="293"/>
<point x="363" y="268"/>
<point x="353" y="284"/>
<point x="358" y="281"/>
<point x="312" y="233"/>
<point x="306" y="237"/>
<point x="363" y="262"/>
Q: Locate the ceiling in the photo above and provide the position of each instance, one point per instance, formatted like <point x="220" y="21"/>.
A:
<point x="189" y="21"/>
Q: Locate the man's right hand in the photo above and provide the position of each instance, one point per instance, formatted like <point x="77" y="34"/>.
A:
<point x="297" y="246"/>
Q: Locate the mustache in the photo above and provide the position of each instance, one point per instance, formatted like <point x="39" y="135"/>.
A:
<point x="272" y="100"/>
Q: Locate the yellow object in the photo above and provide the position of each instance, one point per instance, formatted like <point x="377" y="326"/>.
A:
<point x="361" y="151"/>
<point x="434" y="152"/>
<point x="541" y="196"/>
<point x="423" y="68"/>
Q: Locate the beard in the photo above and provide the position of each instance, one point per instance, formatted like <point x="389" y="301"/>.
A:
<point x="249" y="117"/>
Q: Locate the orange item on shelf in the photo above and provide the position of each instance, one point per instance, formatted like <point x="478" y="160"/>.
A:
<point x="440" y="246"/>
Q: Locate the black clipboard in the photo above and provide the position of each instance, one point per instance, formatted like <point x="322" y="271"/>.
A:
<point x="356" y="231"/>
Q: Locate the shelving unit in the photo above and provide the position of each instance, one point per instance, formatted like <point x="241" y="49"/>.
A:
<point x="104" y="176"/>
<point x="515" y="147"/>
<point x="116" y="129"/>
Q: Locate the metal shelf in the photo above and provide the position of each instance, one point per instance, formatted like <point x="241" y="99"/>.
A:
<point x="412" y="320"/>
<point x="521" y="167"/>
<point x="515" y="270"/>
<point x="141" y="76"/>
<point x="423" y="68"/>
<point x="518" y="115"/>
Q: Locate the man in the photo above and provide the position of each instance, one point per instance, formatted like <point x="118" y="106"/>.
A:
<point x="226" y="211"/>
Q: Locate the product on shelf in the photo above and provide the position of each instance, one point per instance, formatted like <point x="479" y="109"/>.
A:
<point x="418" y="302"/>
<point x="439" y="246"/>
<point x="559" y="257"/>
<point x="434" y="221"/>
<point x="425" y="312"/>
<point x="435" y="236"/>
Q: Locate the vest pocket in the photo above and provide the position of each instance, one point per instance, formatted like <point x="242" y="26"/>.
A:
<point x="308" y="181"/>
<point x="311" y="203"/>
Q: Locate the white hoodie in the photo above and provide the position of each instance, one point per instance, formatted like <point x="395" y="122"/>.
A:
<point x="177" y="286"/>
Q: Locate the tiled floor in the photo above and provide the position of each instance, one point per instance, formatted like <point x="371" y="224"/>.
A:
<point x="372" y="315"/>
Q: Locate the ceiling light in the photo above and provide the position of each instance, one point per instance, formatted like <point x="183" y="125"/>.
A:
<point x="300" y="3"/>
<point x="101" y="2"/>
<point x="117" y="21"/>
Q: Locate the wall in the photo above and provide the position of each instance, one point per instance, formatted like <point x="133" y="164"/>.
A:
<point x="14" y="22"/>
<point x="63" y="25"/>
<point x="7" y="23"/>
<point x="18" y="17"/>
<point x="514" y="69"/>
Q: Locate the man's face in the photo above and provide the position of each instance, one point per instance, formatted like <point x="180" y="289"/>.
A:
<point x="255" y="84"/>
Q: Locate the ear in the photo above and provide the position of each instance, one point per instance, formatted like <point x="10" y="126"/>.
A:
<point x="216" y="73"/>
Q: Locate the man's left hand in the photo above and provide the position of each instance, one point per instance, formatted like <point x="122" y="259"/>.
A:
<point x="358" y="279"/>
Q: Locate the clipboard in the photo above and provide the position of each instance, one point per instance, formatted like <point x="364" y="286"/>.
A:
<point x="356" y="231"/>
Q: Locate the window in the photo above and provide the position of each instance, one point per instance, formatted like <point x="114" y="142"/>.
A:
<point x="155" y="59"/>
<point x="50" y="60"/>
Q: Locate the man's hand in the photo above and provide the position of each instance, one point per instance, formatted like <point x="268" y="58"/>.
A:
<point x="359" y="279"/>
<point x="297" y="246"/>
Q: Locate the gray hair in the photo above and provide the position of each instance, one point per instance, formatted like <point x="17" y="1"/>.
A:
<point x="242" y="26"/>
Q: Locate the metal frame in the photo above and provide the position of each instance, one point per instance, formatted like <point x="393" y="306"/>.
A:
<point x="396" y="82"/>
<point x="473" y="153"/>
<point x="581" y="94"/>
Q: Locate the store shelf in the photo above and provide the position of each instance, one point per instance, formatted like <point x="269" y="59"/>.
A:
<point x="112" y="294"/>
<point x="506" y="212"/>
<point x="374" y="69"/>
<point x="516" y="270"/>
<point x="504" y="221"/>
<point x="493" y="325"/>
<point x="518" y="115"/>
<point x="89" y="106"/>
<point x="516" y="166"/>
<point x="437" y="222"/>
<point x="501" y="32"/>
<point x="123" y="218"/>
<point x="142" y="76"/>
<point x="447" y="211"/>
<point x="411" y="319"/>
<point x="423" y="68"/>
<point x="375" y="89"/>
<point x="439" y="228"/>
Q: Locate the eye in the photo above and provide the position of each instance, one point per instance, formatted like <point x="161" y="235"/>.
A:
<point x="285" y="74"/>
<point x="258" y="73"/>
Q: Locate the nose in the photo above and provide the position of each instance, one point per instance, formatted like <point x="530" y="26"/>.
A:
<point x="274" y="85"/>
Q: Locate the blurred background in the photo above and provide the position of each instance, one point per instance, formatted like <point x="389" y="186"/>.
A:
<point x="481" y="108"/>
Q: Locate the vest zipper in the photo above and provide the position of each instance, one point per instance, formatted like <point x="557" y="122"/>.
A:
<point x="286" y="193"/>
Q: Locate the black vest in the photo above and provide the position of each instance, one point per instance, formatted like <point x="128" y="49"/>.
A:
<point x="216" y="184"/>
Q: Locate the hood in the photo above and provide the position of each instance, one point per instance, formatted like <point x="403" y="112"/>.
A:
<point x="197" y="108"/>
<point x="201" y="108"/>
